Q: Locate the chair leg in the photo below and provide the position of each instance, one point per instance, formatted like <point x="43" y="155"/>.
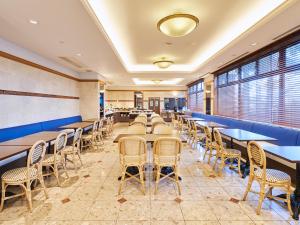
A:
<point x="221" y="167"/>
<point x="214" y="166"/>
<point x="56" y="175"/>
<point x="261" y="197"/>
<point x="157" y="178"/>
<point x="41" y="179"/>
<point x="79" y="156"/>
<point x="177" y="180"/>
<point x="239" y="167"/>
<point x="73" y="160"/>
<point x="141" y="172"/>
<point x="3" y="195"/>
<point x="288" y="199"/>
<point x="65" y="169"/>
<point x="249" y="185"/>
<point x="122" y="180"/>
<point x="28" y="195"/>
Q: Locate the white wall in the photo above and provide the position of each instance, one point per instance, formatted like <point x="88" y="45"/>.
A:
<point x="89" y="99"/>
<point x="19" y="110"/>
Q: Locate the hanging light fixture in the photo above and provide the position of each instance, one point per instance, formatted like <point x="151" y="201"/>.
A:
<point x="157" y="81"/>
<point x="177" y="25"/>
<point x="163" y="64"/>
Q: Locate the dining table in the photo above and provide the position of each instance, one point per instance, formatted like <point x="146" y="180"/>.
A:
<point x="194" y="119"/>
<point x="290" y="154"/>
<point x="7" y="151"/>
<point x="31" y="139"/>
<point x="244" y="136"/>
<point x="84" y="125"/>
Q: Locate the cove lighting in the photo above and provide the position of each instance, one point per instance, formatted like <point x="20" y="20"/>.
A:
<point x="246" y="20"/>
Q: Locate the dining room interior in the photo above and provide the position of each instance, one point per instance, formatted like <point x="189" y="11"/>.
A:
<point x="152" y="112"/>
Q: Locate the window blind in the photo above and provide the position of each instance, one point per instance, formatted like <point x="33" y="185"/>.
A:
<point x="195" y="96"/>
<point x="266" y="88"/>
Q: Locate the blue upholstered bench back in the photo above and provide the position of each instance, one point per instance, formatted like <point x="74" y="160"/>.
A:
<point x="20" y="131"/>
<point x="284" y="135"/>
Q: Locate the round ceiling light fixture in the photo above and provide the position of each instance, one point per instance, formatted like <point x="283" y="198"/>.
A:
<point x="178" y="25"/>
<point x="163" y="64"/>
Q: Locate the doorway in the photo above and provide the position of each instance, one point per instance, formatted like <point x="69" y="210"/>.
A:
<point x="154" y="104"/>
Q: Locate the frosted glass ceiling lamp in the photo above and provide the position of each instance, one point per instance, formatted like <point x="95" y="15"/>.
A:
<point x="178" y="25"/>
<point x="163" y="64"/>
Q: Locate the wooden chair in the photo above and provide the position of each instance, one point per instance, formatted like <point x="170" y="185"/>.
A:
<point x="174" y="121"/>
<point x="157" y="119"/>
<point x="210" y="146"/>
<point x="133" y="152"/>
<point x="56" y="159"/>
<point x="137" y="129"/>
<point x="166" y="153"/>
<point x="270" y="178"/>
<point x="196" y="135"/>
<point x="24" y="176"/>
<point x="74" y="149"/>
<point x="155" y="124"/>
<point x="141" y="119"/>
<point x="162" y="128"/>
<point x="89" y="140"/>
<point x="225" y="153"/>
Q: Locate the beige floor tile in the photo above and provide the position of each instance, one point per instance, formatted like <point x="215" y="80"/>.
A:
<point x="214" y="193"/>
<point x="197" y="210"/>
<point x="165" y="210"/>
<point x="171" y="222"/>
<point x="85" y="192"/>
<point x="266" y="212"/>
<point x="227" y="210"/>
<point x="103" y="210"/>
<point x="237" y="223"/>
<point x="138" y="222"/>
<point x="134" y="210"/>
<point x="202" y="223"/>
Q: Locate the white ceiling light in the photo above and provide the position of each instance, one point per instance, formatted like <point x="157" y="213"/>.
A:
<point x="253" y="44"/>
<point x="33" y="22"/>
<point x="163" y="64"/>
<point x="177" y="25"/>
<point x="173" y="81"/>
<point x="78" y="54"/>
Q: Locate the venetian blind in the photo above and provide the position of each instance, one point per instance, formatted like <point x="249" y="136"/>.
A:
<point x="265" y="89"/>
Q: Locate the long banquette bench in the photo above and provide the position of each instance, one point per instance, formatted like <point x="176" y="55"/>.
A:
<point x="10" y="133"/>
<point x="286" y="136"/>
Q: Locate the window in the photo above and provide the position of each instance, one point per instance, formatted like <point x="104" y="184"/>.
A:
<point x="248" y="70"/>
<point x="272" y="95"/>
<point x="233" y="75"/>
<point x="269" y="63"/>
<point x="222" y="79"/>
<point x="195" y="98"/>
<point x="292" y="55"/>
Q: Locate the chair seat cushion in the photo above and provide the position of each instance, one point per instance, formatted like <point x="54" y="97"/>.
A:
<point x="19" y="174"/>
<point x="230" y="151"/>
<point x="49" y="159"/>
<point x="69" y="150"/>
<point x="273" y="176"/>
<point x="87" y="136"/>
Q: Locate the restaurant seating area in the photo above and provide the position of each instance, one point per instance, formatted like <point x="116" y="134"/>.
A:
<point x="149" y="112"/>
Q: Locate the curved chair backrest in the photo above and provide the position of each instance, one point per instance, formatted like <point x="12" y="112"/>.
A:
<point x="193" y="125"/>
<point x="141" y="119"/>
<point x="207" y="133"/>
<point x="155" y="124"/>
<point x="137" y="129"/>
<point x="257" y="157"/>
<point x="157" y="119"/>
<point x="162" y="128"/>
<point x="77" y="137"/>
<point x="132" y="150"/>
<point x="143" y="115"/>
<point x="95" y="125"/>
<point x="134" y="123"/>
<point x="154" y="115"/>
<point x="167" y="150"/>
<point x="218" y="140"/>
<point x="60" y="143"/>
<point x="36" y="154"/>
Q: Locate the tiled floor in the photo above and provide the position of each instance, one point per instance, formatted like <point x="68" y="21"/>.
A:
<point x="90" y="197"/>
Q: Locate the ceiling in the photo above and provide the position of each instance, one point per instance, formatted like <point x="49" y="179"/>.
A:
<point x="122" y="43"/>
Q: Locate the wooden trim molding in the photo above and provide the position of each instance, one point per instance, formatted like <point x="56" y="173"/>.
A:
<point x="33" y="94"/>
<point x="47" y="69"/>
